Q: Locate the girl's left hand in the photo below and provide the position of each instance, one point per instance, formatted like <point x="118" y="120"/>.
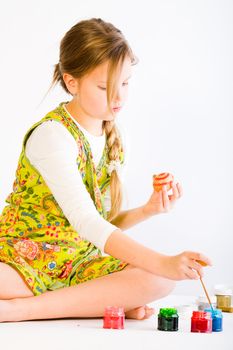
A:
<point x="162" y="202"/>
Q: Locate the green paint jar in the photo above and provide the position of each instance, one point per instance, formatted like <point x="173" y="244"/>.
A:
<point x="168" y="319"/>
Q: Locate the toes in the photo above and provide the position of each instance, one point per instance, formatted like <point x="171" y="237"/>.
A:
<point x="137" y="313"/>
<point x="141" y="312"/>
<point x="149" y="312"/>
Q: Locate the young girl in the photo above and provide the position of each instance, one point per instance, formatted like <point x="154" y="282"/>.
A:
<point x="65" y="208"/>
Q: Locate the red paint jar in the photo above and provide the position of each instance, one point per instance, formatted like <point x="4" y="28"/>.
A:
<point x="201" y="322"/>
<point x="114" y="317"/>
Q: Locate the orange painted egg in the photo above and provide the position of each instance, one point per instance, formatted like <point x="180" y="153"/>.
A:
<point x="161" y="180"/>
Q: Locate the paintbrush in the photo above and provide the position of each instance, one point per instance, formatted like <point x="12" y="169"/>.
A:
<point x="206" y="293"/>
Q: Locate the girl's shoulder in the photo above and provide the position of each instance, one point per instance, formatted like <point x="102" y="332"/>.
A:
<point x="50" y="136"/>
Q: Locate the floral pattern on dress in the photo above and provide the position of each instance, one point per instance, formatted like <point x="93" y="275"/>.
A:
<point x="36" y="238"/>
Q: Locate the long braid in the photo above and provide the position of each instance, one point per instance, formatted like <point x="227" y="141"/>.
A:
<point x="114" y="147"/>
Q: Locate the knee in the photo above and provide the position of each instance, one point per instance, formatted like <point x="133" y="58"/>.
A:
<point x="156" y="287"/>
<point x="164" y="286"/>
<point x="12" y="284"/>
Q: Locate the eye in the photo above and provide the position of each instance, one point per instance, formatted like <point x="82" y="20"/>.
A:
<point x="104" y="89"/>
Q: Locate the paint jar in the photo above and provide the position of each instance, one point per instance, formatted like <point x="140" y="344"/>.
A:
<point x="223" y="294"/>
<point x="114" y="317"/>
<point x="185" y="311"/>
<point x="216" y="319"/>
<point x="223" y="301"/>
<point x="202" y="302"/>
<point x="201" y="322"/>
<point x="168" y="319"/>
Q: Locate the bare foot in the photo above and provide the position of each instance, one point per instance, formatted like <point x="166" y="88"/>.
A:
<point x="4" y="310"/>
<point x="140" y="313"/>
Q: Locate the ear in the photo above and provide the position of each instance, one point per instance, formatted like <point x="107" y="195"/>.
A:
<point x="71" y="83"/>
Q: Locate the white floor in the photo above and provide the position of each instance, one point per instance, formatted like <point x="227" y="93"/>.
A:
<point x="89" y="334"/>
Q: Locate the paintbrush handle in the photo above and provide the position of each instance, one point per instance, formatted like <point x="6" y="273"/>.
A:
<point x="206" y="293"/>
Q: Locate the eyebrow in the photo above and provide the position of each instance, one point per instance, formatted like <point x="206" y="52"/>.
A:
<point x="100" y="81"/>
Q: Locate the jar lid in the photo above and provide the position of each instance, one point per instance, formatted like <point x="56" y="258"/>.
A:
<point x="181" y="309"/>
<point x="114" y="311"/>
<point x="203" y="299"/>
<point x="222" y="289"/>
<point x="214" y="312"/>
<point x="167" y="312"/>
<point x="201" y="314"/>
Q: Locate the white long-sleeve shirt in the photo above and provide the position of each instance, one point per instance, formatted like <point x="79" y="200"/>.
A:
<point x="52" y="150"/>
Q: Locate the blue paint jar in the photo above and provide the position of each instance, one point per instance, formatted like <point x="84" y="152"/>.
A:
<point x="216" y="319"/>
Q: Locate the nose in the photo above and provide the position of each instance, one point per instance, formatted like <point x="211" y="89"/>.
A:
<point x="118" y="98"/>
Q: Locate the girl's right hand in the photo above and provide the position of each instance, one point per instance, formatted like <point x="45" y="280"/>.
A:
<point x="187" y="265"/>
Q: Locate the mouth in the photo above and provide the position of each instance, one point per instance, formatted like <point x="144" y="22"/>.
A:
<point x="116" y="109"/>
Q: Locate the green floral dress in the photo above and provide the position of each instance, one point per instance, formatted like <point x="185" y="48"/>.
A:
<point x="36" y="238"/>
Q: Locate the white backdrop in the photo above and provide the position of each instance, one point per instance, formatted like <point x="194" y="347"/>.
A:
<point x="178" y="117"/>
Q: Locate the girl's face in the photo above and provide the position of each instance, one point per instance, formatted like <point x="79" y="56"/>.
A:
<point x="91" y="95"/>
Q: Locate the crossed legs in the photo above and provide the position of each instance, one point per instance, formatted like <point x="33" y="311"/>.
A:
<point x="131" y="288"/>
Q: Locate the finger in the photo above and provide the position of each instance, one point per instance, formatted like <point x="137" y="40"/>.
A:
<point x="200" y="273"/>
<point x="192" y="274"/>
<point x="187" y="276"/>
<point x="151" y="309"/>
<point x="197" y="267"/>
<point x="165" y="198"/>
<point x="202" y="259"/>
<point x="175" y="192"/>
<point x="157" y="196"/>
<point x="180" y="189"/>
<point x="160" y="196"/>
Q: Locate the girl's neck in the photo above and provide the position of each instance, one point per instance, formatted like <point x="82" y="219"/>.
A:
<point x="92" y="125"/>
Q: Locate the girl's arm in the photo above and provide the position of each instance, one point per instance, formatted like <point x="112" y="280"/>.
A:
<point x="178" y="267"/>
<point x="129" y="218"/>
<point x="159" y="202"/>
<point x="56" y="160"/>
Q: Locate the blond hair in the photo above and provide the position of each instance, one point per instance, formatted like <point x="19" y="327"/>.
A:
<point x="85" y="46"/>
